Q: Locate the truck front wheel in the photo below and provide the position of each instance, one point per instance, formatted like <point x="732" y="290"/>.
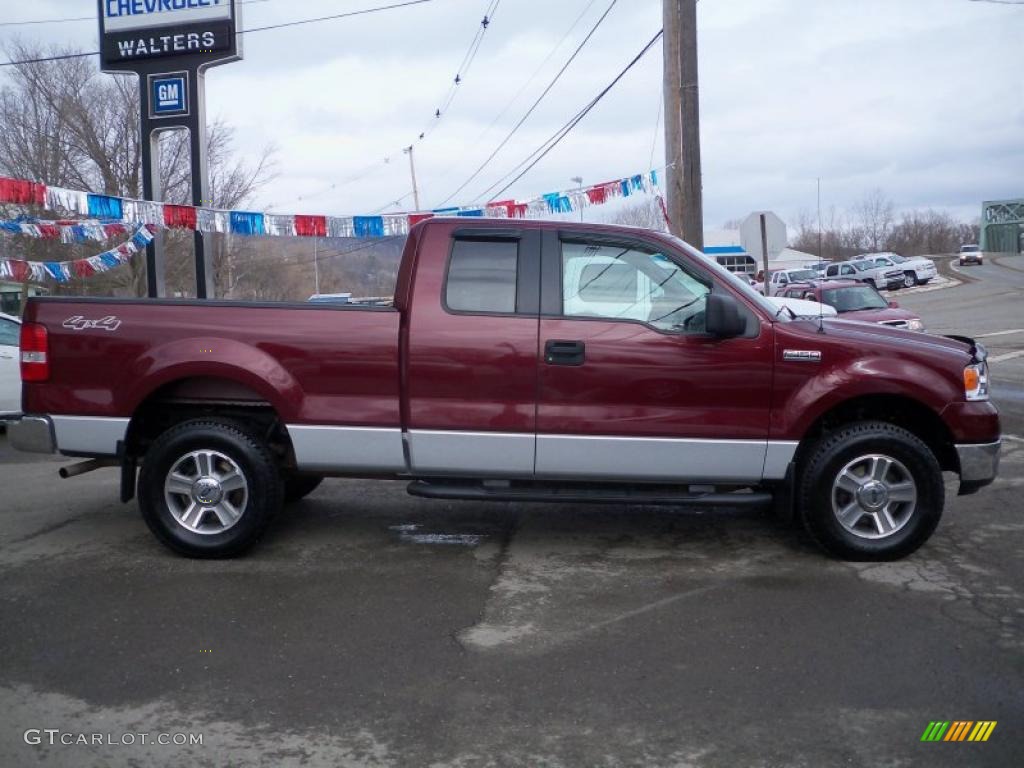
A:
<point x="870" y="491"/>
<point x="208" y="489"/>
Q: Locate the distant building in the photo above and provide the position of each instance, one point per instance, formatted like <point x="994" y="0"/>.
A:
<point x="740" y="250"/>
<point x="10" y="297"/>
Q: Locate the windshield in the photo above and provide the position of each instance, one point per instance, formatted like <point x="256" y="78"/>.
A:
<point x="968" y="248"/>
<point x="862" y="266"/>
<point x="800" y="275"/>
<point x="726" y="276"/>
<point x="897" y="258"/>
<point x="853" y="298"/>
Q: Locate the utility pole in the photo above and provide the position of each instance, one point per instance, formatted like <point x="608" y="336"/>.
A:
<point x="682" y="122"/>
<point x="819" y="218"/>
<point x="412" y="170"/>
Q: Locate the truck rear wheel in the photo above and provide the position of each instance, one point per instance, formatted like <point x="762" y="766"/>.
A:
<point x="208" y="489"/>
<point x="870" y="491"/>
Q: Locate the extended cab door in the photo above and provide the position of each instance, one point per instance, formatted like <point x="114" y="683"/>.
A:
<point x="471" y="352"/>
<point x="631" y="388"/>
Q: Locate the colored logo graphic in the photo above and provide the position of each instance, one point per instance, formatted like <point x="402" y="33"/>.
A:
<point x="958" y="730"/>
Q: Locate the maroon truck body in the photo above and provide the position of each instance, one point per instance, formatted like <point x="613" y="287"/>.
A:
<point x="423" y="390"/>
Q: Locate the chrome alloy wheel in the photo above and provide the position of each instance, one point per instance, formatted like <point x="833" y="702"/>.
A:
<point x="206" y="492"/>
<point x="874" y="496"/>
<point x="909" y="280"/>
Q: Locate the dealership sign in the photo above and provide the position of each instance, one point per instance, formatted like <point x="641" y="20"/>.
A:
<point x="134" y="32"/>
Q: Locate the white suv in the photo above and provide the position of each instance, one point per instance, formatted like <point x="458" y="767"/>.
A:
<point x="779" y="280"/>
<point x="916" y="271"/>
<point x="971" y="254"/>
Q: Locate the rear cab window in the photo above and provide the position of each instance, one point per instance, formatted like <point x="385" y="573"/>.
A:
<point x="482" y="276"/>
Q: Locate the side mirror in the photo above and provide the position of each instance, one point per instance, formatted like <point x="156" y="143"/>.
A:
<point x="893" y="305"/>
<point x="723" y="318"/>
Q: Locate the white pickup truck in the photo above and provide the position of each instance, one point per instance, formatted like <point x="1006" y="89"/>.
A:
<point x="917" y="270"/>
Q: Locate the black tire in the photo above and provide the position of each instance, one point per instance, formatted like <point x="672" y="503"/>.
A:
<point x="909" y="279"/>
<point x="251" y="459"/>
<point x="827" y="459"/>
<point x="298" y="487"/>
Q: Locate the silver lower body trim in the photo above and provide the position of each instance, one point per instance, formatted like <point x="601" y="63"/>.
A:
<point x="492" y="454"/>
<point x="32" y="434"/>
<point x="660" y="459"/>
<point x="92" y="435"/>
<point x="979" y="464"/>
<point x="347" y="449"/>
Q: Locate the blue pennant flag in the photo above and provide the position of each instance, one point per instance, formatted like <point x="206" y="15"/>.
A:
<point x="445" y="211"/>
<point x="626" y="190"/>
<point x="654" y="178"/>
<point x="53" y="270"/>
<point x="109" y="259"/>
<point x="637" y="182"/>
<point x="243" y="223"/>
<point x="368" y="226"/>
<point x="472" y="212"/>
<point x="104" y="207"/>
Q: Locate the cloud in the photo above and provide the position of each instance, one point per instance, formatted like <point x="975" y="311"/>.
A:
<point x="921" y="98"/>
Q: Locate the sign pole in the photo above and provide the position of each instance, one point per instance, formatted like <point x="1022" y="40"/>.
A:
<point x="170" y="46"/>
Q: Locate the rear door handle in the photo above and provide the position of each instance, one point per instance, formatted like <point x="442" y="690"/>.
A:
<point x="565" y="352"/>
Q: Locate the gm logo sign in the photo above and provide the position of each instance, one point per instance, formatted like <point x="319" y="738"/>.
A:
<point x="168" y="95"/>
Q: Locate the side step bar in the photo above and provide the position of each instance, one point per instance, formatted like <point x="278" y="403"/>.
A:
<point x="585" y="495"/>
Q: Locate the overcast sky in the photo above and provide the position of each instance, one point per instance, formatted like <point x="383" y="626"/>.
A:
<point x="923" y="99"/>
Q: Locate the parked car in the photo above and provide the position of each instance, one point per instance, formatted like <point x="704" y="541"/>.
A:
<point x="889" y="278"/>
<point x="544" y="361"/>
<point x="10" y="380"/>
<point x="971" y="254"/>
<point x="917" y="270"/>
<point x="856" y="301"/>
<point x="783" y="277"/>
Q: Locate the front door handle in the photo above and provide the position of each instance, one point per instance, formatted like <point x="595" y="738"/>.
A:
<point x="565" y="352"/>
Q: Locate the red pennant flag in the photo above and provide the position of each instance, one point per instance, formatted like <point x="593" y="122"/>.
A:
<point x="20" y="270"/>
<point x="311" y="226"/>
<point x="82" y="268"/>
<point x="416" y="218"/>
<point x="180" y="216"/>
<point x="49" y="231"/>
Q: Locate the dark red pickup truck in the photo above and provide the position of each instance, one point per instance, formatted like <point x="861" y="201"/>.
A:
<point x="521" y="360"/>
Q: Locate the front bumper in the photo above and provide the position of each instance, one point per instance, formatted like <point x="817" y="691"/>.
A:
<point x="33" y="434"/>
<point x="979" y="465"/>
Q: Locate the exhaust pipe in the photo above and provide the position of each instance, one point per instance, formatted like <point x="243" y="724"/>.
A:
<point x="74" y="470"/>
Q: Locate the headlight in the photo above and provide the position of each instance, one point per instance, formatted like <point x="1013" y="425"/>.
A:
<point x="976" y="381"/>
<point x="915" y="325"/>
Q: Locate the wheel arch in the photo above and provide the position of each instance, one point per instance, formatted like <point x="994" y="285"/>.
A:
<point x="901" y="410"/>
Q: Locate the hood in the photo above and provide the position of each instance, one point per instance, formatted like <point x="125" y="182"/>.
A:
<point x="881" y="336"/>
<point x="885" y="315"/>
<point x="802" y="307"/>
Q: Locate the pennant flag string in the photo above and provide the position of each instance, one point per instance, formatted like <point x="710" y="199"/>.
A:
<point x="102" y="217"/>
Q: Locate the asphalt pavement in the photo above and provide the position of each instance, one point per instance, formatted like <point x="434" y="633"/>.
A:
<point x="374" y="629"/>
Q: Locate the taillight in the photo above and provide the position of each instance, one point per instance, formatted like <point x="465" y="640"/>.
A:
<point x="35" y="360"/>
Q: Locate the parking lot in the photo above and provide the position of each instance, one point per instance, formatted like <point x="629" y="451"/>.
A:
<point x="374" y="629"/>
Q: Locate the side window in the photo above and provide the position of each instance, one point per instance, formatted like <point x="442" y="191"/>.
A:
<point x="848" y="270"/>
<point x="616" y="283"/>
<point x="832" y="271"/>
<point x="482" y="276"/>
<point x="9" y="333"/>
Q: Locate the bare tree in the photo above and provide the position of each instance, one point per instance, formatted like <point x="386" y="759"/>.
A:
<point x="646" y="214"/>
<point x="874" y="216"/>
<point x="64" y="123"/>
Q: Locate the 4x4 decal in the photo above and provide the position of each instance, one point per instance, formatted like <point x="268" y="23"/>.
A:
<point x="79" y="323"/>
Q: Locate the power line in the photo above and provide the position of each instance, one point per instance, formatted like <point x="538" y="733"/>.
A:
<point x="332" y="17"/>
<point x="529" y="81"/>
<point x="541" y="152"/>
<point x="534" y="106"/>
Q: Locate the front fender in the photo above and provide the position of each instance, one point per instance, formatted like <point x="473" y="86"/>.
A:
<point x="802" y="400"/>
